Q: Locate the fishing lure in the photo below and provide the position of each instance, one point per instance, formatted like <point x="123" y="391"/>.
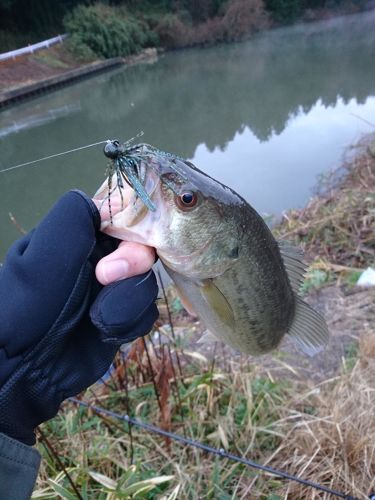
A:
<point x="125" y="165"/>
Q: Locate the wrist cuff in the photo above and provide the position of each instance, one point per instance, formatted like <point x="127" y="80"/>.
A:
<point x="19" y="465"/>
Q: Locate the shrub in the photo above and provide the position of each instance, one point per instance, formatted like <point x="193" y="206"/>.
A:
<point x="239" y="19"/>
<point x="242" y="18"/>
<point x="172" y="32"/>
<point x="212" y="31"/>
<point x="101" y="31"/>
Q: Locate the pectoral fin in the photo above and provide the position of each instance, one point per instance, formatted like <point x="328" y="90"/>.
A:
<point x="218" y="303"/>
<point x="185" y="302"/>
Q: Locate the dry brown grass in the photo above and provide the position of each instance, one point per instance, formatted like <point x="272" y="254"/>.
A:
<point x="335" y="446"/>
<point x="333" y="443"/>
<point x="321" y="432"/>
<point x="304" y="418"/>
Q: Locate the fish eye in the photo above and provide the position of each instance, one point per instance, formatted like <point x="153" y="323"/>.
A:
<point x="186" y="200"/>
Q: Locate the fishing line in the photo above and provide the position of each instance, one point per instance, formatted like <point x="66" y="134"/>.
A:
<point x="52" y="156"/>
<point x="216" y="451"/>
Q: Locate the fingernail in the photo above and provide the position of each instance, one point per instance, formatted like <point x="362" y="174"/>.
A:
<point x="115" y="270"/>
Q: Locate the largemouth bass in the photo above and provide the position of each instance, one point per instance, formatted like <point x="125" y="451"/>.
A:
<point x="225" y="262"/>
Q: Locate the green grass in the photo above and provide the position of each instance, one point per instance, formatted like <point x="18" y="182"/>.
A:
<point x="316" y="278"/>
<point x="45" y="57"/>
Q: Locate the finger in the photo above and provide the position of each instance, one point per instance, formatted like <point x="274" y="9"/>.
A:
<point x="130" y="259"/>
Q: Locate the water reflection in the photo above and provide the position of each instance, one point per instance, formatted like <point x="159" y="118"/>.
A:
<point x="209" y="96"/>
<point x="15" y="125"/>
<point x="264" y="116"/>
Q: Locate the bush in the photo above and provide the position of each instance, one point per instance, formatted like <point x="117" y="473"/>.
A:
<point x="105" y="32"/>
<point x="240" y="18"/>
<point x="210" y="32"/>
<point x="243" y="18"/>
<point x="172" y="32"/>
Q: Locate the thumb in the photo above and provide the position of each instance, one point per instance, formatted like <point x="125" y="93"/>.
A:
<point x="126" y="309"/>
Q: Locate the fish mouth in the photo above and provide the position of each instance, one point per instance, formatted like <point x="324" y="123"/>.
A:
<point x="134" y="195"/>
<point x="123" y="203"/>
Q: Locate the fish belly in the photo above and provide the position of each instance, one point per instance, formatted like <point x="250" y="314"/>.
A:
<point x="261" y="316"/>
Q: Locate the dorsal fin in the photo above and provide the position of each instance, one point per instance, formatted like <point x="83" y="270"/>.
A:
<point x="309" y="328"/>
<point x="294" y="265"/>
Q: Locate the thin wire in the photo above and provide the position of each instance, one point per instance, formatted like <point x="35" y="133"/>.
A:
<point x="52" y="156"/>
<point x="221" y="452"/>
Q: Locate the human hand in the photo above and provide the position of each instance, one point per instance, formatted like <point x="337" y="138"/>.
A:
<point x="129" y="259"/>
<point x="59" y="326"/>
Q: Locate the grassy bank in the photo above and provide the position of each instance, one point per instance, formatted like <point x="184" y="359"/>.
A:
<point x="280" y="409"/>
<point x="336" y="229"/>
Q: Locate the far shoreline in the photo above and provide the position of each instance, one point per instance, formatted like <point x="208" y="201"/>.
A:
<point x="50" y="69"/>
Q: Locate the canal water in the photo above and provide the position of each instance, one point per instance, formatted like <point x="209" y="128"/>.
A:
<point x="267" y="117"/>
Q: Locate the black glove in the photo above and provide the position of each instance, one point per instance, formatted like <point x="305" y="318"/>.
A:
<point x="59" y="328"/>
